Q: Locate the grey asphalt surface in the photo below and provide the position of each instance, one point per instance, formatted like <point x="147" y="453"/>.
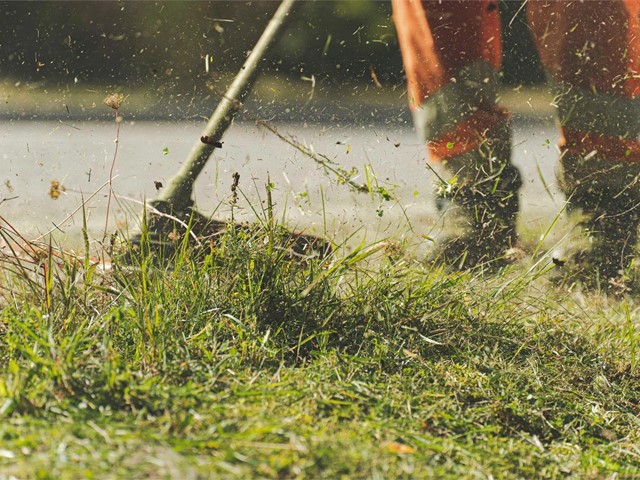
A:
<point x="79" y="155"/>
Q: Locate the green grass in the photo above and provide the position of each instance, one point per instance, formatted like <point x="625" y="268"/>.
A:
<point x="253" y="363"/>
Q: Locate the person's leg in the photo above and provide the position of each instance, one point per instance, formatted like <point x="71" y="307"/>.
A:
<point x="452" y="52"/>
<point x="591" y="52"/>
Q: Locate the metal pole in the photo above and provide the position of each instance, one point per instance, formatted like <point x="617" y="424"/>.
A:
<point x="177" y="195"/>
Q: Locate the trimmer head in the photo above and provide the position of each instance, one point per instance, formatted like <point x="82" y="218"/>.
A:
<point x="164" y="231"/>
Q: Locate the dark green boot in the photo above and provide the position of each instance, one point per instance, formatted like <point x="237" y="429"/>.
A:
<point x="485" y="187"/>
<point x="608" y="194"/>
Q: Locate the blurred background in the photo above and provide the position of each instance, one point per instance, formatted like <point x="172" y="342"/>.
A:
<point x="334" y="82"/>
<point x="163" y="44"/>
<point x="164" y="47"/>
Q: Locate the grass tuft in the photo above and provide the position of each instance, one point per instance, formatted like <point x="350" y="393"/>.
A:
<point x="246" y="359"/>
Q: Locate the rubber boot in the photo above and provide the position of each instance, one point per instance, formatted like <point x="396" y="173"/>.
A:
<point x="485" y="186"/>
<point x="608" y="194"/>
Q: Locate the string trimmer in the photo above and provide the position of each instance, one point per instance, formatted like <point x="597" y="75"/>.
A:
<point x="174" y="208"/>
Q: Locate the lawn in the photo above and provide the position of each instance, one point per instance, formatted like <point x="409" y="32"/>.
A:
<point x="243" y="360"/>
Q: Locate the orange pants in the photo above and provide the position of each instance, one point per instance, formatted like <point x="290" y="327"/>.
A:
<point x="452" y="51"/>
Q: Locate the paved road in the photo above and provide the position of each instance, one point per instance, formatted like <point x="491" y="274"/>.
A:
<point x="79" y="156"/>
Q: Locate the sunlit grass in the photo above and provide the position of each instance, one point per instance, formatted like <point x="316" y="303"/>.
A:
<point x="245" y="360"/>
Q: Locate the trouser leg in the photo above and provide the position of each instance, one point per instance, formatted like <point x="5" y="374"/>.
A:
<point x="607" y="194"/>
<point x="452" y="52"/>
<point x="591" y="52"/>
<point x="486" y="186"/>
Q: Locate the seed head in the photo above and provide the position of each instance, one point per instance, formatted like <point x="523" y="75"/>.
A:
<point x="114" y="100"/>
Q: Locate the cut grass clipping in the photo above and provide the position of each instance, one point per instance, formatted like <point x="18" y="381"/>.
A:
<point x="253" y="362"/>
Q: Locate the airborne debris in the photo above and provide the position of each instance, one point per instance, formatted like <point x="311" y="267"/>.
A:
<point x="56" y="189"/>
<point x="7" y="199"/>
<point x="325" y="49"/>
<point x="374" y="77"/>
<point x="234" y="187"/>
